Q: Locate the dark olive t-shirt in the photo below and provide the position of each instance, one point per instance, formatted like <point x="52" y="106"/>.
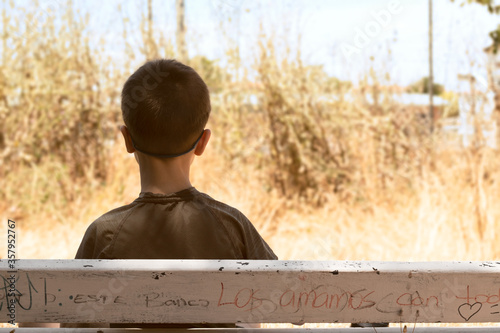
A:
<point x="183" y="225"/>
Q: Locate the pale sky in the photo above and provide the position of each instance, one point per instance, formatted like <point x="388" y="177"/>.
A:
<point x="327" y="27"/>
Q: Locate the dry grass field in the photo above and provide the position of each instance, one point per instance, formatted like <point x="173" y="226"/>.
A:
<point x="438" y="220"/>
<point x="322" y="172"/>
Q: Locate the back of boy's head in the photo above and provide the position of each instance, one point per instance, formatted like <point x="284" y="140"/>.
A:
<point x="165" y="106"/>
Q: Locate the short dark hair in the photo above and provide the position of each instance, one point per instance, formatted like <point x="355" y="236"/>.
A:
<point x="165" y="106"/>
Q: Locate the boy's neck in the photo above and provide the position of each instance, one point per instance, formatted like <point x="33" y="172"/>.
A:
<point x="164" y="176"/>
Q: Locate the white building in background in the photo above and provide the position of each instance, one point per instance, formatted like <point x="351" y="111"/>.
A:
<point x="408" y="99"/>
<point x="419" y="100"/>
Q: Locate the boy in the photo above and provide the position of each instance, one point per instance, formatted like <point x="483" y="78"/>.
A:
<point x="165" y="107"/>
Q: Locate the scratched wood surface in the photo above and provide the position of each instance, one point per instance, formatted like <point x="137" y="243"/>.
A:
<point x="165" y="291"/>
<point x="409" y="329"/>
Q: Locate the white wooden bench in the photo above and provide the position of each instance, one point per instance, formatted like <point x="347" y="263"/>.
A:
<point x="199" y="291"/>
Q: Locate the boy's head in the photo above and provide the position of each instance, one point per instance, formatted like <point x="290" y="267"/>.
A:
<point x="165" y="106"/>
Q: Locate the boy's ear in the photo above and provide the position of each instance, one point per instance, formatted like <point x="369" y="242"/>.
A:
<point x="202" y="144"/>
<point x="127" y="138"/>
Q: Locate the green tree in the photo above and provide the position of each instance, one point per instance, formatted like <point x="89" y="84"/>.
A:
<point x="493" y="9"/>
<point x="422" y="87"/>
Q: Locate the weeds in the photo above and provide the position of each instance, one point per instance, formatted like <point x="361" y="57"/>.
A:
<point x="340" y="171"/>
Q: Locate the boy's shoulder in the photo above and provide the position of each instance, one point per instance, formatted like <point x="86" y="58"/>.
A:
<point x="102" y="231"/>
<point x="240" y="228"/>
<point x="222" y="208"/>
<point x="191" y="197"/>
<point x="186" y="216"/>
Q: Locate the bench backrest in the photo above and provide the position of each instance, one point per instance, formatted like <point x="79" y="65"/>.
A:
<point x="202" y="291"/>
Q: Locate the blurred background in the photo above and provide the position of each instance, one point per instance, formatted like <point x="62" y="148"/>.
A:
<point x="357" y="130"/>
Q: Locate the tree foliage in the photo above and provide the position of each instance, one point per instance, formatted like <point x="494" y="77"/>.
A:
<point x="422" y="87"/>
<point x="493" y="9"/>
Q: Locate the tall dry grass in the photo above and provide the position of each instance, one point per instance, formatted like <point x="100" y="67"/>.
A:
<point x="322" y="171"/>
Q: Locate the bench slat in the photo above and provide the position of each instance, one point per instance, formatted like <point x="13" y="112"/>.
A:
<point x="265" y="330"/>
<point x="199" y="291"/>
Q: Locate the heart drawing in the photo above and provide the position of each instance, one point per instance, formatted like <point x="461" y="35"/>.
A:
<point x="467" y="311"/>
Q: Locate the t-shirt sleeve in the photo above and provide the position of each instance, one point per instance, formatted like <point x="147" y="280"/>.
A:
<point x="87" y="246"/>
<point x="100" y="234"/>
<point x="241" y="231"/>
<point x="256" y="246"/>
